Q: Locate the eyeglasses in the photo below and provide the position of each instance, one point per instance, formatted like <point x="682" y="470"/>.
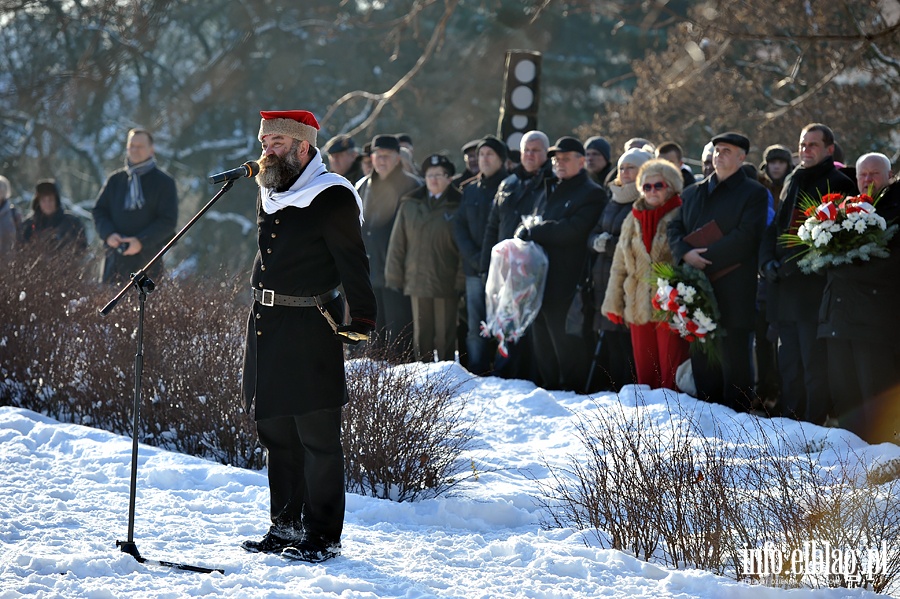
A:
<point x="658" y="186"/>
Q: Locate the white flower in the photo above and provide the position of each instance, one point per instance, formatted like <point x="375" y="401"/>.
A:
<point x="823" y="238"/>
<point x="686" y="292"/>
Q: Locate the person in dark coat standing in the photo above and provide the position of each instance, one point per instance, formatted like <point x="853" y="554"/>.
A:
<point x="517" y="196"/>
<point x="381" y="191"/>
<point x="468" y="232"/>
<point x="737" y="204"/>
<point x="613" y="355"/>
<point x="136" y="211"/>
<point x="50" y="227"/>
<point x="309" y="245"/>
<point x="792" y="296"/>
<point x="423" y="260"/>
<point x="858" y="309"/>
<point x="344" y="158"/>
<point x="572" y="205"/>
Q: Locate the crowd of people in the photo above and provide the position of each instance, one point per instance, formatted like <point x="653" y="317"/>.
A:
<point x="410" y="247"/>
<point x="808" y="346"/>
<point x="788" y="342"/>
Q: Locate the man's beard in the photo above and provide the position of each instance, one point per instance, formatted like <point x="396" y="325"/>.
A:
<point x="276" y="172"/>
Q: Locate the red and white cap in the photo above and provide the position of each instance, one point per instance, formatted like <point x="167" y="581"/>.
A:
<point x="298" y="124"/>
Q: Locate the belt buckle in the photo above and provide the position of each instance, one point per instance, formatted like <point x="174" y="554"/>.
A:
<point x="268" y="297"/>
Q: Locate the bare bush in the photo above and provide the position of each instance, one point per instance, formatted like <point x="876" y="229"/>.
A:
<point x="405" y="427"/>
<point x="663" y="484"/>
<point x="62" y="359"/>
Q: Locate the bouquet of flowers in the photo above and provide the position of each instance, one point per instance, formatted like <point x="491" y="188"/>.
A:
<point x="514" y="290"/>
<point x="839" y="230"/>
<point x="685" y="301"/>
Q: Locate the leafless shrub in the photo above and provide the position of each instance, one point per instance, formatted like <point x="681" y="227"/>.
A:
<point x="62" y="359"/>
<point x="669" y="488"/>
<point x="404" y="430"/>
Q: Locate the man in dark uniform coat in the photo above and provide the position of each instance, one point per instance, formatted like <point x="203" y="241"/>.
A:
<point x="568" y="211"/>
<point x="792" y="296"/>
<point x="858" y="319"/>
<point x="737" y="204"/>
<point x="136" y="211"/>
<point x="309" y="245"/>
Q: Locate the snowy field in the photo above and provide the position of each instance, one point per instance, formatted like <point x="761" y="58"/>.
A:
<point x="64" y="493"/>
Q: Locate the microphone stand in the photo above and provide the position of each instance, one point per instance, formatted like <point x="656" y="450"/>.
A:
<point x="144" y="285"/>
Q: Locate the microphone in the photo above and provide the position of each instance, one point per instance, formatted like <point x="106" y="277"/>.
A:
<point x="248" y="169"/>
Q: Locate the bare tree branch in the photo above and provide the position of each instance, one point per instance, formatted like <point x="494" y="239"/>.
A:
<point x="383" y="99"/>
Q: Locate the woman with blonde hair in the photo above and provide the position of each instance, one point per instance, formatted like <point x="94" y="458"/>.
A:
<point x="658" y="351"/>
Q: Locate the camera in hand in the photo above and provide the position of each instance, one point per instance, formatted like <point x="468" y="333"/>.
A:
<point x="123" y="247"/>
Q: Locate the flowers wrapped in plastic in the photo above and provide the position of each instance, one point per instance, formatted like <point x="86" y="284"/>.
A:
<point x="839" y="230"/>
<point x="514" y="290"/>
<point x="685" y="301"/>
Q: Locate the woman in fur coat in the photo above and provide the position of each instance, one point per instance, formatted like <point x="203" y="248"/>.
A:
<point x="658" y="351"/>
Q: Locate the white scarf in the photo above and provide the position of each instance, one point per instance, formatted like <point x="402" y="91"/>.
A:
<point x="313" y="181"/>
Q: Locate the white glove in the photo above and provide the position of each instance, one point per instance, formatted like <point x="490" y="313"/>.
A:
<point x="600" y="240"/>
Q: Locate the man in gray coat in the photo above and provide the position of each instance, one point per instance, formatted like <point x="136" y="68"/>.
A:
<point x="381" y="192"/>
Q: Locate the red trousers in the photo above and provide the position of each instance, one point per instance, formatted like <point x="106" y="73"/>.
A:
<point x="658" y="351"/>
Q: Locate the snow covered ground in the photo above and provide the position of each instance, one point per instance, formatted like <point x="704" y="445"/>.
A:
<point x="64" y="493"/>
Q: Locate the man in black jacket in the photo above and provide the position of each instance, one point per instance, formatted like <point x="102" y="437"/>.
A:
<point x="571" y="207"/>
<point x="468" y="232"/>
<point x="858" y="308"/>
<point x="517" y="195"/>
<point x="737" y="205"/>
<point x="793" y="297"/>
<point x="136" y="211"/>
<point x="309" y="245"/>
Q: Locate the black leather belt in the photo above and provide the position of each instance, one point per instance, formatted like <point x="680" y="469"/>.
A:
<point x="267" y="297"/>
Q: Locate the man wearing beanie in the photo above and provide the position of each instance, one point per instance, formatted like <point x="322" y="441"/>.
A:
<point x="517" y="195"/>
<point x="309" y="245"/>
<point x="136" y="211"/>
<point x="596" y="159"/>
<point x="777" y="163"/>
<point x="50" y="227"/>
<point x="381" y="191"/>
<point x="735" y="205"/>
<point x="469" y="234"/>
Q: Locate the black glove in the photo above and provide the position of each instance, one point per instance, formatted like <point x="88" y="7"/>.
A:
<point x="523" y="233"/>
<point x="770" y="271"/>
<point x="354" y="332"/>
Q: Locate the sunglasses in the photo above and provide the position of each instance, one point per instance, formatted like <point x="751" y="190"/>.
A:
<point x="658" y="186"/>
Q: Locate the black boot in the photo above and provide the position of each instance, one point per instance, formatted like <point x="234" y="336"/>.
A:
<point x="275" y="540"/>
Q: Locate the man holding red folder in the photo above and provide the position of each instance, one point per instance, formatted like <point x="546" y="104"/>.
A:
<point x="719" y="231"/>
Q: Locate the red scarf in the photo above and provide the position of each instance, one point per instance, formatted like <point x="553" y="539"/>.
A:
<point x="649" y="218"/>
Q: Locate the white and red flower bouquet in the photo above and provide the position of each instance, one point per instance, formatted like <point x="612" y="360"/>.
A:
<point x="685" y="300"/>
<point x="514" y="290"/>
<point x="839" y="229"/>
